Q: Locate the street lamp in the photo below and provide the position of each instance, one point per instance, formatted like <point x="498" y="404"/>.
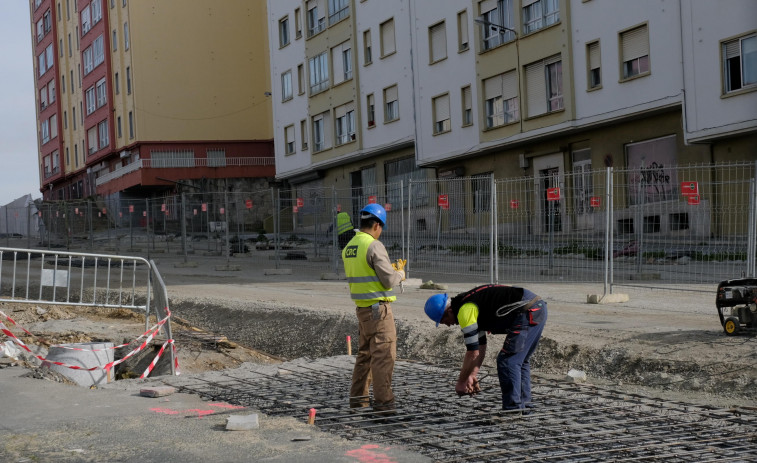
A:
<point x="502" y="30"/>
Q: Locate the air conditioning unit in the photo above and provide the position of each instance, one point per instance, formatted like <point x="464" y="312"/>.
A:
<point x="125" y="154"/>
<point x="352" y="136"/>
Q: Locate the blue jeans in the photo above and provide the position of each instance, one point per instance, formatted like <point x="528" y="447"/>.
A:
<point x="513" y="367"/>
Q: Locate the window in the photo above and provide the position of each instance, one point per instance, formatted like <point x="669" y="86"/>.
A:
<point x="345" y="123"/>
<point x="678" y="221"/>
<point x="118" y="126"/>
<point x="300" y="79"/>
<point x="97" y="11"/>
<point x="544" y="86"/>
<point x="467" y="105"/>
<point x="341" y="59"/>
<point x="102" y="129"/>
<point x="63" y="83"/>
<point x="740" y="63"/>
<point x="635" y="52"/>
<point x="53" y="126"/>
<point x="41" y="63"/>
<point x="338" y="10"/>
<point x="304" y="134"/>
<point x="98" y="50"/>
<point x="387" y="38"/>
<point x="316" y="20"/>
<point x="115" y="40"/>
<point x="51" y="91"/>
<point x="297" y="23"/>
<point x="437" y="38"/>
<point x="45" y="131"/>
<point x="128" y="80"/>
<point x="40" y="30"/>
<point x="319" y="142"/>
<point x="286" y="86"/>
<point x="319" y="73"/>
<point x="501" y="99"/>
<point x="43" y="98"/>
<point x="403" y="170"/>
<point x="117" y="83"/>
<point x="88" y="62"/>
<point x="593" y="64"/>
<point x="284" y="32"/>
<point x="92" y="140"/>
<point x="73" y="116"/>
<point x="289" y="139"/>
<point x="371" y="108"/>
<point x="126" y="36"/>
<point x="499" y="23"/>
<point x="65" y="120"/>
<point x="131" y="125"/>
<point x="86" y="20"/>
<point x="481" y="186"/>
<point x="89" y="96"/>
<point x="367" y="57"/>
<point x="102" y="95"/>
<point x="538" y="14"/>
<point x="462" y="31"/>
<point x="440" y="107"/>
<point x="216" y="158"/>
<point x="391" y="104"/>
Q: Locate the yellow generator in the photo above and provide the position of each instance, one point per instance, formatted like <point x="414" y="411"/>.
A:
<point x="736" y="301"/>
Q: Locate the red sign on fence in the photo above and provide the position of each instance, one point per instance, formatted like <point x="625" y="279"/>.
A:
<point x="339" y="208"/>
<point x="443" y="201"/>
<point x="163" y="207"/>
<point x="194" y="211"/>
<point x="693" y="200"/>
<point x="596" y="201"/>
<point x="144" y="213"/>
<point x="295" y="209"/>
<point x="131" y="208"/>
<point x="689" y="188"/>
<point x="105" y="211"/>
<point x="514" y="204"/>
<point x="204" y="207"/>
<point x="553" y="194"/>
<point x="248" y="204"/>
<point x="387" y="207"/>
<point x="222" y="211"/>
<point x="300" y="202"/>
<point x="371" y="200"/>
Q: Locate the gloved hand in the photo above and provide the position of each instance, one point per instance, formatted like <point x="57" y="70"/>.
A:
<point x="400" y="264"/>
<point x="402" y="272"/>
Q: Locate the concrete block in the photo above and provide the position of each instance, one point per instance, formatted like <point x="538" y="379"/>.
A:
<point x="242" y="422"/>
<point x="228" y="268"/>
<point x="277" y="271"/>
<point x="607" y="298"/>
<point x="157" y="391"/>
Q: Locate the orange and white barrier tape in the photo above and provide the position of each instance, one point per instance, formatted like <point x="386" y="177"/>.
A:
<point x="150" y="333"/>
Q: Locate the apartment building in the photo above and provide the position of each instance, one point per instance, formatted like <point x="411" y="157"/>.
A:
<point x="136" y="97"/>
<point x="513" y="88"/>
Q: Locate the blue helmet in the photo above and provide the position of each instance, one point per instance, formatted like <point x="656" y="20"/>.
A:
<point x="435" y="307"/>
<point x="374" y="210"/>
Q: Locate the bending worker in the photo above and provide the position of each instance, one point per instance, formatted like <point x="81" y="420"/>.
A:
<point x="344" y="229"/>
<point x="497" y="309"/>
<point x="371" y="277"/>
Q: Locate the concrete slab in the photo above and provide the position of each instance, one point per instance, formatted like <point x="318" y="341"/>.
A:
<point x="157" y="391"/>
<point x="242" y="422"/>
<point x="607" y="298"/>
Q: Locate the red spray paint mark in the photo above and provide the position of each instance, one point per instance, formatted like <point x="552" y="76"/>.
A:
<point x="168" y="411"/>
<point x="367" y="454"/>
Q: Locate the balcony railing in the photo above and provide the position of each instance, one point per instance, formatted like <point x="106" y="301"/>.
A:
<point x="339" y="15"/>
<point x="182" y="163"/>
<point x="50" y="173"/>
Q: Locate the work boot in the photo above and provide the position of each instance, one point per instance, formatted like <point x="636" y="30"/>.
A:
<point x="385" y="409"/>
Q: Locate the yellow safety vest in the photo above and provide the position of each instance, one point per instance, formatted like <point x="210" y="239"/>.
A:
<point x="365" y="287"/>
<point x="343" y="223"/>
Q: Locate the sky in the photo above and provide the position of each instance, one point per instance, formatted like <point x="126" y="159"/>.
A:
<point x="19" y="171"/>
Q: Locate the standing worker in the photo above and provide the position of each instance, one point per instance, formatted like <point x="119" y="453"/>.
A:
<point x="371" y="276"/>
<point x="497" y="309"/>
<point x="344" y="229"/>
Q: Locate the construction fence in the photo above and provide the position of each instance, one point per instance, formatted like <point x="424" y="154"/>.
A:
<point x="681" y="227"/>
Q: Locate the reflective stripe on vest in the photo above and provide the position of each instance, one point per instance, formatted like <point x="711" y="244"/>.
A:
<point x="365" y="286"/>
<point x="343" y="223"/>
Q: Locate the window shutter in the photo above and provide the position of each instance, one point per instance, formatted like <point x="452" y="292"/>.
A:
<point x="594" y="55"/>
<point x="492" y="87"/>
<point x="438" y="42"/>
<point x="463" y="18"/>
<point x="289" y="133"/>
<point x="340" y="111"/>
<point x="536" y="89"/>
<point x="467" y="103"/>
<point x="387" y="37"/>
<point x="635" y="43"/>
<point x="509" y="85"/>
<point x="732" y="49"/>
<point x="441" y="108"/>
<point x="337" y="63"/>
<point x="391" y="94"/>
<point x="529" y="2"/>
<point x="486" y="6"/>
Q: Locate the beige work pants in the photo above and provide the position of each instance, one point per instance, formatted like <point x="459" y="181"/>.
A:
<point x="377" y="351"/>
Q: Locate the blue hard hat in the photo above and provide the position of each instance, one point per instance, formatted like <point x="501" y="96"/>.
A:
<point x="435" y="307"/>
<point x="376" y="211"/>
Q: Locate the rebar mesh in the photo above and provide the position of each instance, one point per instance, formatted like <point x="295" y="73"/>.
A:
<point x="570" y="422"/>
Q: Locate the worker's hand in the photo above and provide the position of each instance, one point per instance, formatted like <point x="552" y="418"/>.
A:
<point x="402" y="272"/>
<point x="468" y="386"/>
<point x="399" y="265"/>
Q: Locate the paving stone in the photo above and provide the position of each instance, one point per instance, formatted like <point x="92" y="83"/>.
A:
<point x="242" y="422"/>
